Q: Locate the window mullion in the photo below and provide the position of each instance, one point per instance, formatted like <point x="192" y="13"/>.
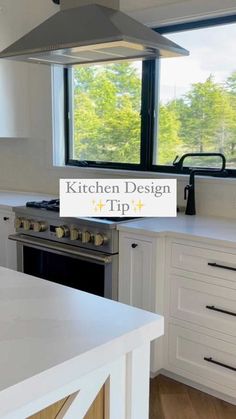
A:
<point x="148" y="112"/>
<point x="67" y="107"/>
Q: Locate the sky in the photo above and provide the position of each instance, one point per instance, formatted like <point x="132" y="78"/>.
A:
<point x="212" y="51"/>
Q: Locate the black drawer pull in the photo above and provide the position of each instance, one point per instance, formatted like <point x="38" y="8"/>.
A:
<point x="6" y="218"/>
<point x="216" y="265"/>
<point x="134" y="245"/>
<point x="211" y="360"/>
<point x="220" y="310"/>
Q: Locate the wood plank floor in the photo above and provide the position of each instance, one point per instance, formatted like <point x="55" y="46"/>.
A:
<point x="173" y="400"/>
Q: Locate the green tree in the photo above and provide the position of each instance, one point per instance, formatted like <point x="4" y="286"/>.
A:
<point x="107" y="103"/>
<point x="230" y="84"/>
<point x="207" y="118"/>
<point x="107" y="122"/>
<point x="230" y="87"/>
<point x="202" y="112"/>
<point x="169" y="143"/>
<point x="226" y="124"/>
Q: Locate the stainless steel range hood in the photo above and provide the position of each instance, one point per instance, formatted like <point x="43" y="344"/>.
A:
<point x="86" y="31"/>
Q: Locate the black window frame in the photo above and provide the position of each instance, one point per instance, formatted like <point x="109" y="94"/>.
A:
<point x="149" y="109"/>
<point x="147" y="120"/>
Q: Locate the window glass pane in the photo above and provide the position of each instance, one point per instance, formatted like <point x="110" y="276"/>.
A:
<point x="197" y="110"/>
<point x="106" y="122"/>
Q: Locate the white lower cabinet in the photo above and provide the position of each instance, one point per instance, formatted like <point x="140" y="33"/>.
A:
<point x="200" y="310"/>
<point x="193" y="284"/>
<point x="204" y="304"/>
<point x="136" y="271"/>
<point x="141" y="263"/>
<point x="218" y="262"/>
<point x="202" y="358"/>
<point x="8" y="258"/>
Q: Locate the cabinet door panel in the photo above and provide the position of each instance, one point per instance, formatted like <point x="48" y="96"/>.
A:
<point x="136" y="272"/>
<point x="8" y="257"/>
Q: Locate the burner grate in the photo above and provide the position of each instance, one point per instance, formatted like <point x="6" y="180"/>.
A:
<point x="52" y="205"/>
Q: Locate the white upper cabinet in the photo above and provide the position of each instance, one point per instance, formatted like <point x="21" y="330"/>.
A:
<point x="14" y="90"/>
<point x="16" y="19"/>
<point x="14" y="100"/>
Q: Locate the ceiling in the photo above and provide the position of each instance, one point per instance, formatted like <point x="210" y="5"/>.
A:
<point x="165" y="12"/>
<point x="153" y="13"/>
<point x="134" y="5"/>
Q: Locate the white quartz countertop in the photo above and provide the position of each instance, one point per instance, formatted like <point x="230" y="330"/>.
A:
<point x="191" y="227"/>
<point x="10" y="199"/>
<point x="50" y="335"/>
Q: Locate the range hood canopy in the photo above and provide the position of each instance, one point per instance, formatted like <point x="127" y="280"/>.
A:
<point x="86" y="31"/>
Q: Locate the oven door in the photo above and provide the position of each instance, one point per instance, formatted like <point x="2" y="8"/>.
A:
<point x="90" y="271"/>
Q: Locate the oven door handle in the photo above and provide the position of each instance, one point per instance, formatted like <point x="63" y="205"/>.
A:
<point x="61" y="248"/>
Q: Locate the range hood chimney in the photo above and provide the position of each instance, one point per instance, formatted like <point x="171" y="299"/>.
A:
<point x="88" y="31"/>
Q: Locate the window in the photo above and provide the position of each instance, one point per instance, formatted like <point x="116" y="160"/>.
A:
<point x="105" y="111"/>
<point x="197" y="106"/>
<point x="140" y="116"/>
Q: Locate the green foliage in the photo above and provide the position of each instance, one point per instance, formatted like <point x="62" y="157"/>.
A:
<point x="107" y="123"/>
<point x="202" y="113"/>
<point x="231" y="84"/>
<point x="168" y="133"/>
<point x="207" y="120"/>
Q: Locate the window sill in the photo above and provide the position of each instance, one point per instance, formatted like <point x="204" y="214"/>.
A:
<point x="102" y="172"/>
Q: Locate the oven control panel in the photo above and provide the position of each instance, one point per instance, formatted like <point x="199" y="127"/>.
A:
<point x="74" y="233"/>
<point x="27" y="225"/>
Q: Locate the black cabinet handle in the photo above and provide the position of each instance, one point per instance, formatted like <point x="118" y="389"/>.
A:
<point x="216" y="265"/>
<point x="134" y="245"/>
<point x="220" y="310"/>
<point x="6" y="218"/>
<point x="212" y="361"/>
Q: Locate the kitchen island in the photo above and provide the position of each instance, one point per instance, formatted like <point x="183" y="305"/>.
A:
<point x="58" y="343"/>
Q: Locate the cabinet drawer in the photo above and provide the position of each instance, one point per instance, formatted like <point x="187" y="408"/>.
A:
<point x="206" y="358"/>
<point x="216" y="263"/>
<point x="204" y="304"/>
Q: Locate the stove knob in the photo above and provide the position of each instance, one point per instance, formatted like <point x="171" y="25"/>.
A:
<point x="26" y="225"/>
<point x="86" y="237"/>
<point x="62" y="231"/>
<point x="74" y="234"/>
<point x="18" y="223"/>
<point x="99" y="239"/>
<point x="39" y="226"/>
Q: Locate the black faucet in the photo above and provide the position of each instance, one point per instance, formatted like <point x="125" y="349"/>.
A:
<point x="189" y="190"/>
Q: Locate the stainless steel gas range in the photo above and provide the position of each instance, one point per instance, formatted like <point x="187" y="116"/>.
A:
<point x="77" y="252"/>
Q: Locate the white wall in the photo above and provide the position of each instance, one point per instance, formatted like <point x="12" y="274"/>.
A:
<point x="26" y="163"/>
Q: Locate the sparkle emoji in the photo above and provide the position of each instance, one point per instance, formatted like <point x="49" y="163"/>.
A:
<point x="139" y="205"/>
<point x="98" y="206"/>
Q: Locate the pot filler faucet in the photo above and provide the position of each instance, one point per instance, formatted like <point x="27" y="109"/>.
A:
<point x="189" y="190"/>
